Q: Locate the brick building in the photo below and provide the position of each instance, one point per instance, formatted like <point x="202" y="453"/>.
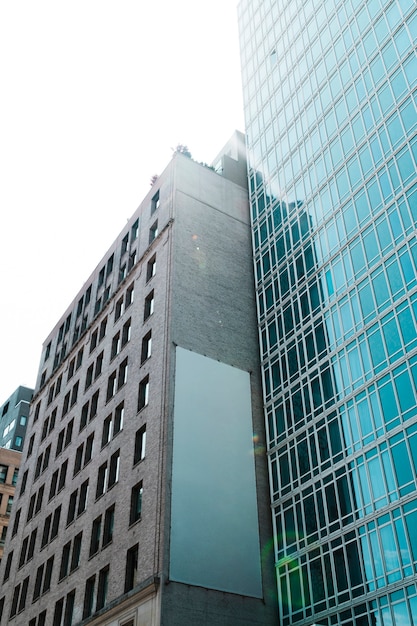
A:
<point x="143" y="491"/>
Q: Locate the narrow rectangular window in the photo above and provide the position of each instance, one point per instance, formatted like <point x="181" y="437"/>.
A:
<point x="60" y="442"/>
<point x="151" y="268"/>
<point x="38" y="582"/>
<point x="39" y="499"/>
<point x="66" y="551"/>
<point x="89" y="597"/>
<point x="95" y="536"/>
<point x="69" y="608"/>
<point x="140" y="445"/>
<point x="108" y="525"/>
<point x="78" y="459"/>
<point x="115" y="346"/>
<point x="84" y="416"/>
<point x="88" y="449"/>
<point x="131" y="567"/>
<point x="99" y="365"/>
<point x="101" y="480"/>
<point x="74" y="395"/>
<point x="114" y="468"/>
<point x="68" y="433"/>
<point x="134" y="231"/>
<point x="111" y="386"/>
<point x="8" y="566"/>
<point x="106" y="435"/>
<point x="118" y="418"/>
<point x="143" y="393"/>
<point x="130" y="293"/>
<point x="136" y="503"/>
<point x="71" y="369"/>
<point x="94" y="404"/>
<point x="122" y="377"/>
<point x="32" y="544"/>
<point x="16" y="522"/>
<point x="55" y="522"/>
<point x="118" y="311"/>
<point x="54" y="483"/>
<point x="103" y="327"/>
<point x="93" y="340"/>
<point x="62" y="475"/>
<point x="23" y="595"/>
<point x="48" y="574"/>
<point x="126" y="332"/>
<point x="76" y="552"/>
<point x="65" y="406"/>
<point x="155" y="202"/>
<point x="149" y="305"/>
<point x="59" y="609"/>
<point x="89" y="376"/>
<point x="82" y="504"/>
<point x="153" y="232"/>
<point x="72" y="507"/>
<point x="46" y="529"/>
<point x="103" y="582"/>
<point x="146" y="347"/>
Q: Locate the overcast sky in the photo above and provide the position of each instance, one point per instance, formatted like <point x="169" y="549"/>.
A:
<point x="94" y="94"/>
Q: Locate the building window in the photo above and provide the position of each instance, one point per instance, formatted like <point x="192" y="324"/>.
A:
<point x="88" y="449"/>
<point x="101" y="480"/>
<point x="78" y="459"/>
<point x="136" y="503"/>
<point x="135" y="231"/>
<point x="3" y="473"/>
<point x="143" y="393"/>
<point x="76" y="552"/>
<point x="8" y="566"/>
<point x="108" y="525"/>
<point x="115" y="346"/>
<point x="140" y="445"/>
<point x="94" y="340"/>
<point x="122" y="377"/>
<point x="94" y="405"/>
<point x="118" y="311"/>
<point x="110" y="264"/>
<point x="149" y="305"/>
<point x="55" y="522"/>
<point x="103" y="582"/>
<point x="146" y="347"/>
<point x="24" y="482"/>
<point x="153" y="232"/>
<point x="103" y="327"/>
<point x="66" y="551"/>
<point x="106" y="434"/>
<point x="99" y="365"/>
<point x="132" y="260"/>
<point x="122" y="272"/>
<point x="89" y="597"/>
<point x="126" y="332"/>
<point x="89" y="376"/>
<point x="95" y="536"/>
<point x="16" y="522"/>
<point x="130" y="293"/>
<point x="155" y="202"/>
<point x="30" y="446"/>
<point x="82" y="503"/>
<point x="118" y="418"/>
<point x="9" y="505"/>
<point x="114" y="468"/>
<point x="111" y="386"/>
<point x="84" y="416"/>
<point x="151" y="268"/>
<point x="131" y="567"/>
<point x="125" y="242"/>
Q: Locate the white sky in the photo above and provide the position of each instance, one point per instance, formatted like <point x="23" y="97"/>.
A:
<point x="93" y="96"/>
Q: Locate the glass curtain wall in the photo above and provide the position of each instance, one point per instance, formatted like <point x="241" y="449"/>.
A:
<point x="330" y="95"/>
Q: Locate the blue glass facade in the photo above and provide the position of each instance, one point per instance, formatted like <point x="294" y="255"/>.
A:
<point x="330" y="94"/>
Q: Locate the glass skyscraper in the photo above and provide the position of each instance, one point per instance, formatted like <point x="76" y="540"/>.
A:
<point x="330" y="94"/>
